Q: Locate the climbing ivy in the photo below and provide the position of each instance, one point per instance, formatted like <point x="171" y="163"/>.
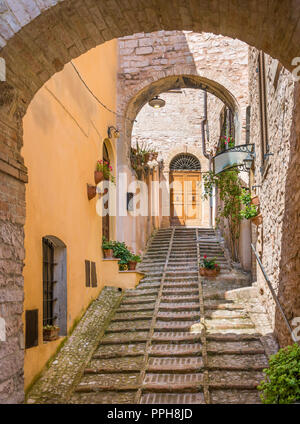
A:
<point x="230" y="191"/>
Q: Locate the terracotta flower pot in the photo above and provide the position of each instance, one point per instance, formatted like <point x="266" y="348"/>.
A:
<point x="204" y="272"/>
<point x="132" y="265"/>
<point x="50" y="334"/>
<point x="108" y="253"/>
<point x="98" y="176"/>
<point x="255" y="201"/>
<point x="146" y="157"/>
<point x="91" y="191"/>
<point x="257" y="220"/>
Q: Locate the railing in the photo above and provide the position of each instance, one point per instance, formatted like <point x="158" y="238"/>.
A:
<point x="274" y="295"/>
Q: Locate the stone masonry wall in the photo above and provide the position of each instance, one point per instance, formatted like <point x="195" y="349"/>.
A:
<point x="273" y="193"/>
<point x="145" y="58"/>
<point x="177" y="125"/>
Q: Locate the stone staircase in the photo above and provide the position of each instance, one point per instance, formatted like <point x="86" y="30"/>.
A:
<point x="178" y="337"/>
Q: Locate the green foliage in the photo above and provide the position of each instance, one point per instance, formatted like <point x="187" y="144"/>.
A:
<point x="249" y="211"/>
<point x="106" y="244"/>
<point x="121" y="251"/>
<point x="230" y="191"/>
<point x="50" y="327"/>
<point x="209" y="263"/>
<point x="135" y="258"/>
<point x="282" y="382"/>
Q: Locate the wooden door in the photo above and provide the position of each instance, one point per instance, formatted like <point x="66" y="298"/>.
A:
<point x="185" y="198"/>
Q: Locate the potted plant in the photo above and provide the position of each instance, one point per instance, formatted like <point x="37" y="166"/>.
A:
<point x="134" y="259"/>
<point x="50" y="333"/>
<point x="103" y="172"/>
<point x="209" y="267"/>
<point x="107" y="247"/>
<point x="282" y="381"/>
<point x="121" y="251"/>
<point x="250" y="210"/>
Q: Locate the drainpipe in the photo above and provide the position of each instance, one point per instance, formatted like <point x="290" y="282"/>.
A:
<point x="203" y="127"/>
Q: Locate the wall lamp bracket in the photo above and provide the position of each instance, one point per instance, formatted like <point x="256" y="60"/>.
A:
<point x="113" y="132"/>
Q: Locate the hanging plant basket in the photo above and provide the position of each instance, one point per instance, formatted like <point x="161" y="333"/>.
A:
<point x="255" y="201"/>
<point x="257" y="220"/>
<point x="205" y="272"/>
<point x="91" y="191"/>
<point x="98" y="176"/>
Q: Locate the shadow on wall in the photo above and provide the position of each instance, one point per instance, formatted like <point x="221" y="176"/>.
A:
<point x="289" y="277"/>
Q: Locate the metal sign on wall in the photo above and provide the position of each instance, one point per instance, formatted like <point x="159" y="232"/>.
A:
<point x="232" y="158"/>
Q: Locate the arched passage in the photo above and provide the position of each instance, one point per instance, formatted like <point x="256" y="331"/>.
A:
<point x="39" y="38"/>
<point x="160" y="85"/>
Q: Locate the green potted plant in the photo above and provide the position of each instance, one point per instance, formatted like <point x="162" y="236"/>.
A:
<point x="50" y="333"/>
<point x="134" y="259"/>
<point x="121" y="251"/>
<point x="103" y="172"/>
<point x="107" y="247"/>
<point x="282" y="382"/>
<point x="209" y="267"/>
<point x="250" y="211"/>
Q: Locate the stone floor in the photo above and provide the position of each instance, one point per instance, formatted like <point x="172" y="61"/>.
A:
<point x="176" y="338"/>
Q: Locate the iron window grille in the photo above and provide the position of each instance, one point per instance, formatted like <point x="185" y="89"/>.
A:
<point x="48" y="283"/>
<point x="185" y="162"/>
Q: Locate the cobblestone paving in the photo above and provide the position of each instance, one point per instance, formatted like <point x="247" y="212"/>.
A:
<point x="178" y="337"/>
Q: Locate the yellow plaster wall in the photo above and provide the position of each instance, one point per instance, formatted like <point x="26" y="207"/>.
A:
<point x="63" y="133"/>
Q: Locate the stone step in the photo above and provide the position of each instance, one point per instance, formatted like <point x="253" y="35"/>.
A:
<point x="243" y="380"/>
<point x="105" y="351"/>
<point x="137" y="308"/>
<point x="141" y="300"/>
<point x="114" y="365"/>
<point x="184" y="316"/>
<point x="134" y="293"/>
<point x="226" y="324"/>
<point x="120" y="327"/>
<point x="237" y="347"/>
<point x="247" y="362"/>
<point x="235" y="397"/>
<point x="178" y="307"/>
<point x="173" y="399"/>
<point x="175" y="337"/>
<point x="228" y="314"/>
<point x="188" y="364"/>
<point x="130" y="337"/>
<point x="173" y="326"/>
<point x="179" y="299"/>
<point x="178" y="350"/>
<point x="132" y="316"/>
<point x="172" y="383"/>
<point x="151" y="286"/>
<point x="109" y="382"/>
<point x="106" y="397"/>
<point x="180" y="284"/>
<point x="180" y="291"/>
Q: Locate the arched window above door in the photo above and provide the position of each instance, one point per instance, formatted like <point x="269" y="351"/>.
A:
<point x="185" y="162"/>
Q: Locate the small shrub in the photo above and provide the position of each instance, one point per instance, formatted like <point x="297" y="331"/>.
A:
<point x="282" y="382"/>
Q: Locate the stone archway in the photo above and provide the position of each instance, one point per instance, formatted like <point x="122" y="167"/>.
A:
<point x="39" y="38"/>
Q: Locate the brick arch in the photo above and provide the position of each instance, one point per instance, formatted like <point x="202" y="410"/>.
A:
<point x="156" y="84"/>
<point x="38" y="37"/>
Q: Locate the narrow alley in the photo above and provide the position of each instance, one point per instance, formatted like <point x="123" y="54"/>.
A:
<point x="178" y="337"/>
